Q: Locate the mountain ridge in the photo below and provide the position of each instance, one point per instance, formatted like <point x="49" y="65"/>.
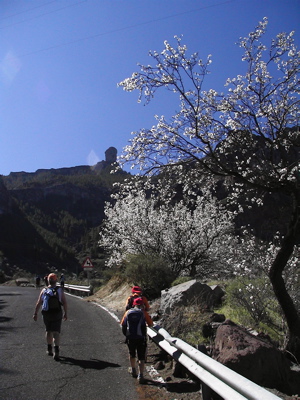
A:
<point x="51" y="218"/>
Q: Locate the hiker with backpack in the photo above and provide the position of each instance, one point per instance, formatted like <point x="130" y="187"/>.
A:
<point x="134" y="328"/>
<point x="62" y="281"/>
<point x="37" y="281"/>
<point x="52" y="299"/>
<point x="138" y="293"/>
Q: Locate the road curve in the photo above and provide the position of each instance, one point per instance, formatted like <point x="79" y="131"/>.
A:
<point x="94" y="360"/>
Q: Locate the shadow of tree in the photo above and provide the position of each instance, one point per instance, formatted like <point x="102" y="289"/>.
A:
<point x="5" y="319"/>
<point x="2" y="304"/>
<point x="88" y="364"/>
<point x="4" y="329"/>
<point x="7" y="371"/>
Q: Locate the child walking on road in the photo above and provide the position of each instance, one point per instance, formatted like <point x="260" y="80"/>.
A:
<point x="134" y="328"/>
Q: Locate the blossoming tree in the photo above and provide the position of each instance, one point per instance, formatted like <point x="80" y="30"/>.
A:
<point x="186" y="236"/>
<point x="249" y="133"/>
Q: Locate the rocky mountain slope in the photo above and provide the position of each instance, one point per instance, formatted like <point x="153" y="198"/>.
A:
<point x="52" y="217"/>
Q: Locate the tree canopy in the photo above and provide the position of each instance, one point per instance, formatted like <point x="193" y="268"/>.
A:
<point x="249" y="132"/>
<point x="186" y="235"/>
<point x="253" y="116"/>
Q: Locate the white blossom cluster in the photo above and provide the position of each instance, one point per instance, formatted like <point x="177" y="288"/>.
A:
<point x="184" y="236"/>
<point x="249" y="259"/>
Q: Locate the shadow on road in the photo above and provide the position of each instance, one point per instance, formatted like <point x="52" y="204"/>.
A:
<point x="175" y="387"/>
<point x="5" y="329"/>
<point x="5" y="319"/>
<point x="183" y="387"/>
<point x="3" y="303"/>
<point x="88" y="364"/>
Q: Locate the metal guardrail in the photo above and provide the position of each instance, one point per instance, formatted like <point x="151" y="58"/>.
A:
<point x="77" y="288"/>
<point x="222" y="380"/>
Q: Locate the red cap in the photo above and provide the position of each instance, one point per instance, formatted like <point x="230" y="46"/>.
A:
<point x="136" y="289"/>
<point x="138" y="302"/>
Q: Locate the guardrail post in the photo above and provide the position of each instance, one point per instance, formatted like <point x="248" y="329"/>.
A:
<point x="206" y="390"/>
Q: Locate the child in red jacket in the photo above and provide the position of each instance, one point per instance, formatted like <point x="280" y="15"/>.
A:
<point x="136" y="293"/>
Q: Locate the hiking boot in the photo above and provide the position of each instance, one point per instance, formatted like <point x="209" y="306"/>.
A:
<point x="132" y="372"/>
<point x="141" y="378"/>
<point x="49" y="350"/>
<point x="56" y="353"/>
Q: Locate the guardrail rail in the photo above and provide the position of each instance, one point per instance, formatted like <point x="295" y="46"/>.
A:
<point x="77" y="289"/>
<point x="213" y="375"/>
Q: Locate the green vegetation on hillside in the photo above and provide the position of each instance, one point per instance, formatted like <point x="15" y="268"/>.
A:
<point x="54" y="217"/>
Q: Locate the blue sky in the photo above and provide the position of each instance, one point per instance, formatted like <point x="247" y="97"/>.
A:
<point x="60" y="62"/>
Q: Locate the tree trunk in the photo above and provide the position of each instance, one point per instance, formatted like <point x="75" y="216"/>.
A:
<point x="193" y="271"/>
<point x="276" y="277"/>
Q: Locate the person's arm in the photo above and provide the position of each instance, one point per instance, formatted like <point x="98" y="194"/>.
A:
<point x="146" y="304"/>
<point x="128" y="305"/>
<point x="124" y="324"/>
<point x="148" y="319"/>
<point x="144" y="329"/>
<point x="38" y="305"/>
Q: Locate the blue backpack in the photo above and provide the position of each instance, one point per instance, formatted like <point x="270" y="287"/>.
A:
<point x="51" y="303"/>
<point x="136" y="324"/>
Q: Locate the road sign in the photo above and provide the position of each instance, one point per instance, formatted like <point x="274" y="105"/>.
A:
<point x="88" y="265"/>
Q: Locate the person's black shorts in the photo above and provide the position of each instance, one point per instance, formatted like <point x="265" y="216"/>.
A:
<point x="52" y="321"/>
<point x="137" y="346"/>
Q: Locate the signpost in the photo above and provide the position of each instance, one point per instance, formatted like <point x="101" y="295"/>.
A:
<point x="88" y="266"/>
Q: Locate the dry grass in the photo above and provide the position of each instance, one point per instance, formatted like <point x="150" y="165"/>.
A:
<point x="113" y="295"/>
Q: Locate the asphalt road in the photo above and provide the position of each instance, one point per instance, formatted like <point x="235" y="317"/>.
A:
<point x="94" y="358"/>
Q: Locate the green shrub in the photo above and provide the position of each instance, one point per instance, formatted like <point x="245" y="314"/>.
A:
<point x="251" y="302"/>
<point x="181" y="279"/>
<point x="107" y="274"/>
<point x="96" y="284"/>
<point x="150" y="272"/>
<point x="186" y="322"/>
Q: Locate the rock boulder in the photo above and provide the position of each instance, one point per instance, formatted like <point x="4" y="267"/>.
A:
<point x="188" y="293"/>
<point x="253" y="358"/>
